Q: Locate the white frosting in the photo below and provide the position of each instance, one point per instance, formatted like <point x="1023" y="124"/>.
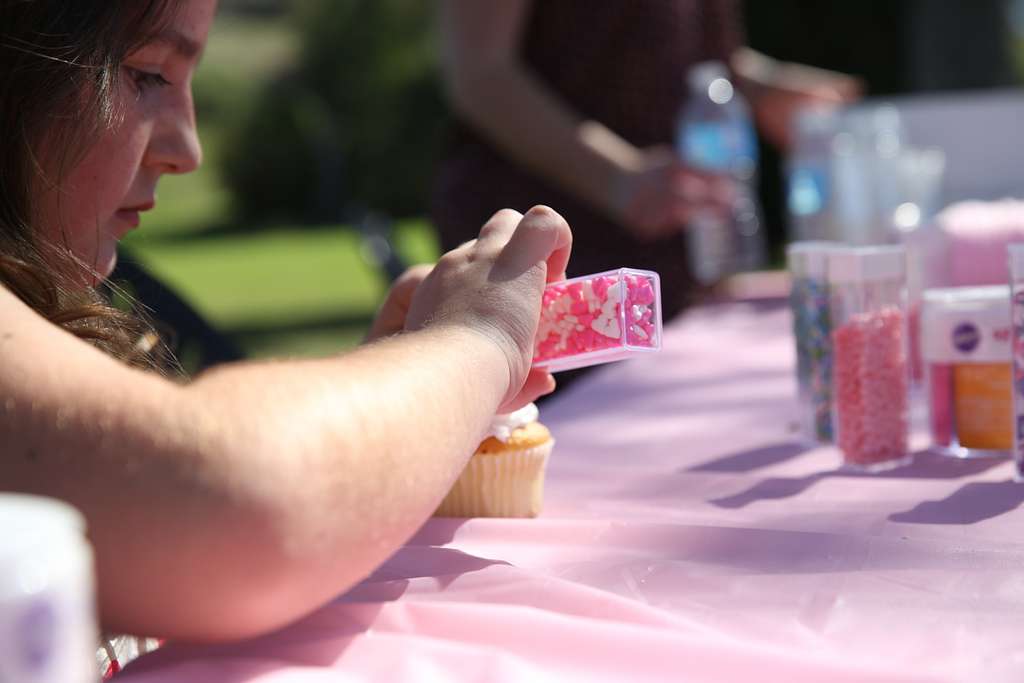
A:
<point x="502" y="426"/>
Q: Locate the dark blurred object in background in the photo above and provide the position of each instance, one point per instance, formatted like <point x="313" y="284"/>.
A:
<point x="896" y="46"/>
<point x="357" y="122"/>
<point x="269" y="8"/>
<point x="194" y="342"/>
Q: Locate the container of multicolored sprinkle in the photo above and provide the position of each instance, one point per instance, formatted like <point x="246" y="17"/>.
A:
<point x="809" y="304"/>
<point x="870" y="373"/>
<point x="598" y="319"/>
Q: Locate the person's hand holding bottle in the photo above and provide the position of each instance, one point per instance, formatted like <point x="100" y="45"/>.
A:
<point x="660" y="195"/>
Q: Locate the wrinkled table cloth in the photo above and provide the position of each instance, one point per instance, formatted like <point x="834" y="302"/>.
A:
<point x="687" y="535"/>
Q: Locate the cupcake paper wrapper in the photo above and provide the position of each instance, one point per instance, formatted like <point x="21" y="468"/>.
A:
<point x="504" y="485"/>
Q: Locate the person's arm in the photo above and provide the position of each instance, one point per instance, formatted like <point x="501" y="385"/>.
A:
<point x="778" y="90"/>
<point x="234" y="504"/>
<point x="650" y="191"/>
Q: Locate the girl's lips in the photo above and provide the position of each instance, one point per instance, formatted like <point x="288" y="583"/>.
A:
<point x="129" y="216"/>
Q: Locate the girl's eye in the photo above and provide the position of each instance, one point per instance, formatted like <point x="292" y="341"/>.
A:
<point x="145" y="79"/>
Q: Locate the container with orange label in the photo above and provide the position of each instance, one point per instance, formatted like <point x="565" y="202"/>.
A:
<point x="967" y="350"/>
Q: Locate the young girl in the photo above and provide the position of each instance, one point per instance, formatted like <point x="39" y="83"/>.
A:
<point x="235" y="503"/>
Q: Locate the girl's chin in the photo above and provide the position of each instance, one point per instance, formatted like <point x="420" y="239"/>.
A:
<point x="106" y="258"/>
<point x="107" y="267"/>
<point x="101" y="270"/>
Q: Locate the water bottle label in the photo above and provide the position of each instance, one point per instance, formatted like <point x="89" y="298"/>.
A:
<point x="720" y="148"/>
<point x="808" y="190"/>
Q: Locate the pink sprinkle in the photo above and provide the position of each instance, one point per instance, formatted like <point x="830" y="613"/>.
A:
<point x="870" y="383"/>
<point x="571" y="310"/>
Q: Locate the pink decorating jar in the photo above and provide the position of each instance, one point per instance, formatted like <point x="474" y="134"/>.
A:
<point x="870" y="372"/>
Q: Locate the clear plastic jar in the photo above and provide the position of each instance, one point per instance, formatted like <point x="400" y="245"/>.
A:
<point x="869" y="356"/>
<point x="598" y="318"/>
<point x="967" y="352"/>
<point x="1016" y="255"/>
<point x="809" y="302"/>
<point x="48" y="631"/>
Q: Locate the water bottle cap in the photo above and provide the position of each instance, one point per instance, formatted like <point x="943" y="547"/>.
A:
<point x="704" y="74"/>
<point x="867" y="264"/>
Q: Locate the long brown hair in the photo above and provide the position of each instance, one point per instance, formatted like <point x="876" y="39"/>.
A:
<point x="59" y="66"/>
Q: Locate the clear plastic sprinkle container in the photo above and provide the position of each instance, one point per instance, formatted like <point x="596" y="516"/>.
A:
<point x="810" y="306"/>
<point x="48" y="631"/>
<point x="967" y="353"/>
<point x="598" y="319"/>
<point x="1016" y="255"/>
<point x="869" y="356"/>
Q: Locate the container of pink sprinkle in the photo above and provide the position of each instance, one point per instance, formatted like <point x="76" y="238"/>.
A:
<point x="598" y="318"/>
<point x="870" y="372"/>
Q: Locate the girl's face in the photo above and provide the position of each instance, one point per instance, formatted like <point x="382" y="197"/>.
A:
<point x="103" y="197"/>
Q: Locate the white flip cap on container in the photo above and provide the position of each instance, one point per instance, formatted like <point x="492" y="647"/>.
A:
<point x="39" y="533"/>
<point x="867" y="264"/>
<point x="810" y="258"/>
<point x="967" y="325"/>
<point x="703" y="74"/>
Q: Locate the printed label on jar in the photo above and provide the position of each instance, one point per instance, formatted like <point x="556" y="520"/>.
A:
<point x="983" y="396"/>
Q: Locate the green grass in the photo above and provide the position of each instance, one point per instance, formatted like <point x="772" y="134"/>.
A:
<point x="281" y="275"/>
<point x="284" y="275"/>
<point x="283" y="291"/>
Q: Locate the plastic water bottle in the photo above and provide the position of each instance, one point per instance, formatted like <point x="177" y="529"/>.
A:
<point x="715" y="134"/>
<point x="809" y="171"/>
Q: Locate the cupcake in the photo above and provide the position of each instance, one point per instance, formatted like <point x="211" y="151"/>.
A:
<point x="505" y="476"/>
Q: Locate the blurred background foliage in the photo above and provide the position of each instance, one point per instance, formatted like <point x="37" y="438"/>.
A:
<point x="315" y="114"/>
<point x="355" y="119"/>
<point x="312" y="115"/>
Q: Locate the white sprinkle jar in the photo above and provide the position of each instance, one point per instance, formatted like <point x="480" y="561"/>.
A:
<point x="968" y="359"/>
<point x="48" y="630"/>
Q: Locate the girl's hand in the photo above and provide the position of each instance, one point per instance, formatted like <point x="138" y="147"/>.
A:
<point x="390" y="318"/>
<point x="493" y="285"/>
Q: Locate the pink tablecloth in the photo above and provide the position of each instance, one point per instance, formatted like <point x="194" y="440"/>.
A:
<point x="686" y="536"/>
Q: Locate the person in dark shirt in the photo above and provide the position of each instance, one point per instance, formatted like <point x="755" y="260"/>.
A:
<point x="573" y="104"/>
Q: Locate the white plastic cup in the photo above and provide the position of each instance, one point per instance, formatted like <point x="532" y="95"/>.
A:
<point x="48" y="628"/>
